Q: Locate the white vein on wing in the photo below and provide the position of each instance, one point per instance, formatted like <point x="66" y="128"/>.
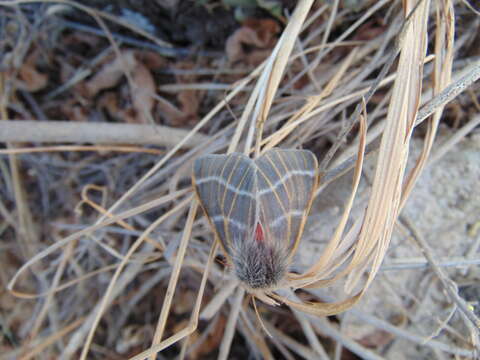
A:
<point x="284" y="178"/>
<point x="221" y="218"/>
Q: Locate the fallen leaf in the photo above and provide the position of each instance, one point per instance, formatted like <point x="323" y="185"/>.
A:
<point x="151" y="59"/>
<point x="376" y="339"/>
<point x="170" y="113"/>
<point x="266" y="29"/>
<point x="78" y="38"/>
<point x="109" y="101"/>
<point x="142" y="90"/>
<point x="189" y="101"/>
<point x="143" y="93"/>
<point x="252" y="43"/>
<point x="30" y="78"/>
<point x="111" y="73"/>
<point x="214" y="338"/>
<point x="370" y="30"/>
<point x="131" y="335"/>
<point x="73" y="110"/>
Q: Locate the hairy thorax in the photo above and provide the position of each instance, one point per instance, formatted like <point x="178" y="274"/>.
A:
<point x="259" y="265"/>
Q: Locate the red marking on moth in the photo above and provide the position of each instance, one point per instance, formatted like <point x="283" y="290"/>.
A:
<point x="259" y="233"/>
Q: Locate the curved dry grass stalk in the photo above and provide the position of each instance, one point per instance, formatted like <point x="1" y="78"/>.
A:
<point x="384" y="204"/>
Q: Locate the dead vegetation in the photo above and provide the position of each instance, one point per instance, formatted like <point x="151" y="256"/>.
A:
<point x="104" y="251"/>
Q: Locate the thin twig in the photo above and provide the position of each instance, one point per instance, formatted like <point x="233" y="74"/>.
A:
<point x="447" y="283"/>
<point x="95" y="133"/>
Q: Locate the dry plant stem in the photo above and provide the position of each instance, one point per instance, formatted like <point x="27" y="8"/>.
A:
<point x="66" y="284"/>
<point x="323" y="326"/>
<point x="442" y="325"/>
<point x="467" y="4"/>
<point x="383" y="205"/>
<point x="416" y="263"/>
<point x="454" y="139"/>
<point x="56" y="279"/>
<point x="280" y="56"/>
<point x="162" y="321"/>
<point x="42" y="149"/>
<point x="313" y="101"/>
<point x="444" y="97"/>
<point x="84" y="232"/>
<point x="44" y="343"/>
<point x="96" y="133"/>
<point x="447" y="283"/>
<point x="383" y="72"/>
<point x="218" y="300"/>
<point x="122" y="223"/>
<point x="309" y="333"/>
<point x="254" y="337"/>
<point x="472" y="74"/>
<point x="321" y="265"/>
<point x="397" y="331"/>
<point x="444" y="37"/>
<point x="107" y="298"/>
<point x="371" y="10"/>
<point x="298" y="348"/>
<point x="189" y="349"/>
<point x="191" y="327"/>
<point x="231" y="325"/>
<point x="25" y="232"/>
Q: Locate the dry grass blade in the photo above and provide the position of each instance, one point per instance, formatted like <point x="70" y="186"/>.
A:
<point x="90" y="229"/>
<point x="231" y="325"/>
<point x="107" y="296"/>
<point x="444" y="39"/>
<point x="270" y="81"/>
<point x="193" y="318"/>
<point x="175" y="274"/>
<point x="310" y="105"/>
<point x="51" y="339"/>
<point x="384" y="204"/>
<point x="447" y="283"/>
<point x="326" y="264"/>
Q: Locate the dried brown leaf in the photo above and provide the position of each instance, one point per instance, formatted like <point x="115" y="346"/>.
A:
<point x="214" y="338"/>
<point x="30" y="78"/>
<point x="376" y="339"/>
<point x="189" y="101"/>
<point x="259" y="35"/>
<point x="111" y="73"/>
<point x="150" y="59"/>
<point x="142" y="96"/>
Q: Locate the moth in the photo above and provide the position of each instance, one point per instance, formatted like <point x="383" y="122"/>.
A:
<point x="257" y="209"/>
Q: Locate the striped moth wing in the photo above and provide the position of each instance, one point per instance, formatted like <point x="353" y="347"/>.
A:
<point x="257" y="208"/>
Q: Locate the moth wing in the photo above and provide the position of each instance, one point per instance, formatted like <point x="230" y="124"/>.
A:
<point x="224" y="185"/>
<point x="286" y="183"/>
